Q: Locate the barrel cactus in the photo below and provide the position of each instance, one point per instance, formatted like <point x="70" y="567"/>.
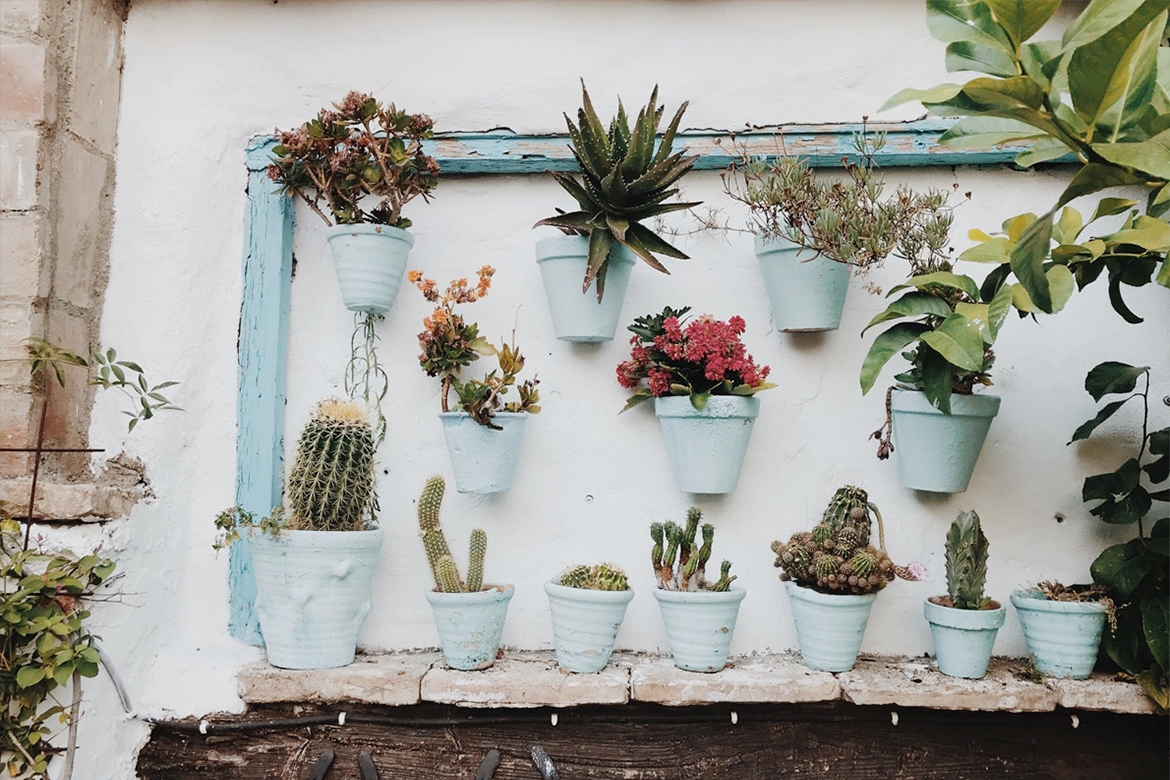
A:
<point x="331" y="486"/>
<point x="443" y="566"/>
<point x="680" y="545"/>
<point x="966" y="562"/>
<point x="603" y="576"/>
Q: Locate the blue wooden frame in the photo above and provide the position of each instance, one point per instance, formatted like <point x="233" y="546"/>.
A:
<point x="268" y="259"/>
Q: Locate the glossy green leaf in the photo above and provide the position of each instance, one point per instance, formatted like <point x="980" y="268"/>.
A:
<point x="1041" y="151"/>
<point x="913" y="304"/>
<point x="998" y="310"/>
<point x="937" y="378"/>
<point x="959" y="341"/>
<point x="995" y="250"/>
<point x="940" y="279"/>
<point x="1108" y="410"/>
<point x="1113" y="377"/>
<point x="965" y="20"/>
<point x="1104" y="73"/>
<point x="967" y="56"/>
<point x="936" y="94"/>
<point x="1068" y="226"/>
<point x="29" y="676"/>
<point x="1122" y="567"/>
<point x="1147" y="232"/>
<point x="1021" y="19"/>
<point x="978" y="313"/>
<point x="1100" y="487"/>
<point x="884" y="347"/>
<point x="1098" y="18"/>
<point x="981" y="132"/>
<point x="1156" y="626"/>
<point x="1107" y="207"/>
<point x="1095" y="177"/>
<point x="1028" y="262"/>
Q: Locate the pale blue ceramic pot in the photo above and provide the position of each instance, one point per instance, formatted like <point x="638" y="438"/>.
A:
<point x="1062" y="636"/>
<point x="483" y="459"/>
<point x="937" y="452"/>
<point x="707" y="448"/>
<point x="576" y="315"/>
<point x="313" y="594"/>
<point x="829" y="627"/>
<point x="807" y="291"/>
<point x="370" y="261"/>
<point x="963" y="638"/>
<point x="585" y="625"/>
<point x="699" y="626"/>
<point x="470" y="625"/>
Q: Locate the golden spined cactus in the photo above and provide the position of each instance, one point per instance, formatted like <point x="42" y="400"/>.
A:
<point x="331" y="486"/>
<point x="443" y="566"/>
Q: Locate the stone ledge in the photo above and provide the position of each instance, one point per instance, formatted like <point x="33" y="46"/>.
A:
<point x="1102" y="693"/>
<point x="527" y="680"/>
<point x="917" y="683"/>
<point x="393" y="680"/>
<point x="753" y="680"/>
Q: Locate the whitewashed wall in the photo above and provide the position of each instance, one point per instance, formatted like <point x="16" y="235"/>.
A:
<point x="201" y="78"/>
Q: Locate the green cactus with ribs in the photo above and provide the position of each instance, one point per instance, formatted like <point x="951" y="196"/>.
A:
<point x="677" y="544"/>
<point x="331" y="485"/>
<point x="966" y="548"/>
<point x="603" y="576"/>
<point x="443" y="567"/>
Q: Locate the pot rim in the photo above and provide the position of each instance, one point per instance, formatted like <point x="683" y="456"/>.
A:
<point x="971" y="619"/>
<point x="815" y="596"/>
<point x="554" y="589"/>
<point x="973" y="405"/>
<point x="368" y="228"/>
<point x="561" y="246"/>
<point x="505" y="415"/>
<point x="741" y="407"/>
<point x="335" y="538"/>
<point x="490" y="595"/>
<point x="735" y="595"/>
<point x="1024" y="600"/>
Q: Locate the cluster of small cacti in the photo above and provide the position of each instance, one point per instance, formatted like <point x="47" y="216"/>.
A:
<point x="671" y="542"/>
<point x="966" y="562"/>
<point x="836" y="556"/>
<point x="443" y="567"/>
<point x="331" y="486"/>
<point x="603" y="576"/>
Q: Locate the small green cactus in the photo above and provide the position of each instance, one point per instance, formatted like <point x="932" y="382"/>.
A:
<point x="443" y="567"/>
<point x="724" y="582"/>
<point x="603" y="576"/>
<point x="966" y="562"/>
<point x="692" y="558"/>
<point x="475" y="558"/>
<point x="331" y="485"/>
<point x="575" y="577"/>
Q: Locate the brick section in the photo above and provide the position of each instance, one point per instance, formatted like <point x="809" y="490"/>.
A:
<point x="28" y="82"/>
<point x="80" y="219"/>
<point x="22" y="16"/>
<point x="22" y="276"/>
<point x="22" y="186"/>
<point x="96" y="74"/>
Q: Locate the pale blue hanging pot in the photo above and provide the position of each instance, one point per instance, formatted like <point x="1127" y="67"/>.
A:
<point x="483" y="459"/>
<point x="807" y="291"/>
<point x="577" y="315"/>
<point x="370" y="261"/>
<point x="707" y="446"/>
<point x="937" y="452"/>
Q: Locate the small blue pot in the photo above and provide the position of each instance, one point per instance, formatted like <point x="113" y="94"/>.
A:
<point x="1062" y="636"/>
<point x="829" y="627"/>
<point x="585" y="625"/>
<point x="313" y="594"/>
<point x="699" y="626"/>
<point x="707" y="448"/>
<point x="370" y="261"/>
<point x="483" y="459"/>
<point x="807" y="291"/>
<point x="963" y="638"/>
<point x="470" y="625"/>
<point x="937" y="452"/>
<point x="576" y="315"/>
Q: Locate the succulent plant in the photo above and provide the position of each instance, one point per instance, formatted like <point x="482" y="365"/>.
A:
<point x="966" y="562"/>
<point x="443" y="566"/>
<point x="679" y="541"/>
<point x="331" y="486"/>
<point x="625" y="179"/>
<point x="603" y="576"/>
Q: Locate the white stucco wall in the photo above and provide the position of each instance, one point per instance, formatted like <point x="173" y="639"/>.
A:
<point x="201" y="78"/>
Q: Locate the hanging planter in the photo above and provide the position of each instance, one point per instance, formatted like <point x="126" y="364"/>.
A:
<point x="707" y="446"/>
<point x="370" y="261"/>
<point x="483" y="459"/>
<point x="807" y="291"/>
<point x="578" y="315"/>
<point x="587" y="606"/>
<point x="1062" y="636"/>
<point x="937" y="452"/>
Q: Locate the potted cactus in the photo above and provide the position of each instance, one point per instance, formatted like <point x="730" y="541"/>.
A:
<point x="315" y="559"/>
<point x="833" y="574"/>
<point x="588" y="604"/>
<point x="1063" y="625"/>
<point x="703" y="383"/>
<point x="964" y="622"/>
<point x="699" y="615"/>
<point x="360" y="150"/>
<point x="627" y="177"/>
<point x="469" y="615"/>
<point x="484" y="434"/>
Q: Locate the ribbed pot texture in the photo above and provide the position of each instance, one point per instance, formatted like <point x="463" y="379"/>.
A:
<point x="483" y="459"/>
<point x="829" y="627"/>
<point x="937" y="452"/>
<point x="585" y="624"/>
<point x="699" y="626"/>
<point x="313" y="594"/>
<point x="807" y="292"/>
<point x="576" y="315"/>
<point x="707" y="448"/>
<point x="470" y="625"/>
<point x="370" y="261"/>
<point x="1062" y="636"/>
<point x="963" y="638"/>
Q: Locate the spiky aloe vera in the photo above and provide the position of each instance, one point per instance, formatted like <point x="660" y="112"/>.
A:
<point x="966" y="562"/>
<point x="331" y="486"/>
<point x="443" y="566"/>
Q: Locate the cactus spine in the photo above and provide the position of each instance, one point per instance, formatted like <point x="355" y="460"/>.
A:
<point x="966" y="562"/>
<point x="692" y="559"/>
<point x="331" y="485"/>
<point x="603" y="576"/>
<point x="443" y="567"/>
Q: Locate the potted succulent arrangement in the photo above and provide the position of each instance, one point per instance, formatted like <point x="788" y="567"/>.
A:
<point x="360" y="149"/>
<point x="699" y="615"/>
<point x="315" y="559"/>
<point x="703" y="383"/>
<point x="833" y="574"/>
<point x="588" y="604"/>
<point x="484" y="434"/>
<point x="469" y="614"/>
<point x="1063" y="626"/>
<point x="627" y="177"/>
<point x="964" y="622"/>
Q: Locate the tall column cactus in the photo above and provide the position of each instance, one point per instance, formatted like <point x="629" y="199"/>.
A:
<point x="443" y="566"/>
<point x="966" y="562"/>
<point x="331" y="486"/>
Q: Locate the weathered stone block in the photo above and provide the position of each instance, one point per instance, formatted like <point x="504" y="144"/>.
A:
<point x="20" y="256"/>
<point x="768" y="679"/>
<point x="527" y="680"/>
<point x="89" y="502"/>
<point x="28" y="82"/>
<point x="21" y="186"/>
<point x="97" y="74"/>
<point x="80" y="215"/>
<point x="1102" y="692"/>
<point x="392" y="680"/>
<point x="917" y="683"/>
<point x="22" y="16"/>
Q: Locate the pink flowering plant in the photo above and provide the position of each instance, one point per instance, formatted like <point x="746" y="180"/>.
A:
<point x="700" y="358"/>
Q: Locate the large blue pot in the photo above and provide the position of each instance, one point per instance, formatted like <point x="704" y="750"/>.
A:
<point x="707" y="448"/>
<point x="937" y="452"/>
<point x="963" y="638"/>
<point x="585" y="624"/>
<point x="313" y="594"/>
<point x="699" y="626"/>
<point x="807" y="291"/>
<point x="829" y="627"/>
<point x="576" y="315"/>
<point x="482" y="458"/>
<point x="470" y="625"/>
<point x="1062" y="636"/>
<point x="370" y="261"/>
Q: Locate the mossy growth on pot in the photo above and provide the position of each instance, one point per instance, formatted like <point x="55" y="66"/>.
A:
<point x="674" y="543"/>
<point x="603" y="576"/>
<point x="966" y="556"/>
<point x="443" y="566"/>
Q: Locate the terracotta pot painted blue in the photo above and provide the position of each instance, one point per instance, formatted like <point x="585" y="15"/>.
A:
<point x="699" y="626"/>
<point x="707" y="448"/>
<point x="963" y="638"/>
<point x="370" y="261"/>
<point x="937" y="452"/>
<point x="807" y="291"/>
<point x="483" y="459"/>
<point x="585" y="624"/>
<point x="829" y="627"/>
<point x="576" y="315"/>
<point x="470" y="625"/>
<point x="313" y="594"/>
<point x="1062" y="636"/>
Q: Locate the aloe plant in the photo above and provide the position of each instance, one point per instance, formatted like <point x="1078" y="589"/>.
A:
<point x="626" y="178"/>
